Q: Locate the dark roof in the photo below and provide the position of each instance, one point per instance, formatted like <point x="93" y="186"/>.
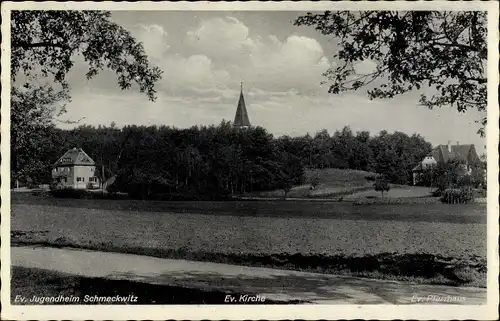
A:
<point x="241" y="117"/>
<point x="442" y="154"/>
<point x="75" y="156"/>
<point x="459" y="152"/>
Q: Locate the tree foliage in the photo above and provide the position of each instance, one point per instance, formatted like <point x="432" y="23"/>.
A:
<point x="446" y="51"/>
<point x="381" y="185"/>
<point x="45" y="43"/>
<point x="217" y="160"/>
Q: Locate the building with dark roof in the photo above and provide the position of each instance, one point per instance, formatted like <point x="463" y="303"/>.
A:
<point x="443" y="153"/>
<point x="75" y="169"/>
<point x="241" y="119"/>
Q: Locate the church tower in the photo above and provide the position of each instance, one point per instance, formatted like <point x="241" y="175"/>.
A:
<point x="241" y="118"/>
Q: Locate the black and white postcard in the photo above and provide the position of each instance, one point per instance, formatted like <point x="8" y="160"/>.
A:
<point x="249" y="160"/>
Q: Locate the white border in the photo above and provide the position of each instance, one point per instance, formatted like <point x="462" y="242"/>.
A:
<point x="383" y="312"/>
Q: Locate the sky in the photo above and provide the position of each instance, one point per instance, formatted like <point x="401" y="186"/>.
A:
<point x="205" y="55"/>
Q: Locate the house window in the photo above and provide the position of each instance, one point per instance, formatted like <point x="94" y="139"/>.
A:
<point x="65" y="180"/>
<point x="80" y="179"/>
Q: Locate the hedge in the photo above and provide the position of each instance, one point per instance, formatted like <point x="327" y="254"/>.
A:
<point x="457" y="196"/>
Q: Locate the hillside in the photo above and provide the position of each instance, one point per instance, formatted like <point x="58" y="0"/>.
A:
<point x="333" y="182"/>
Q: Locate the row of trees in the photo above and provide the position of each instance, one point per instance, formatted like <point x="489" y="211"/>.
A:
<point x="215" y="159"/>
<point x="393" y="155"/>
<point x="411" y="50"/>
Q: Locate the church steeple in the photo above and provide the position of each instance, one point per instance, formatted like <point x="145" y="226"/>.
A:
<point x="241" y="118"/>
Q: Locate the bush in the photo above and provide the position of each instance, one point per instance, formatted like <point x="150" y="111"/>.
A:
<point x="91" y="186"/>
<point x="30" y="184"/>
<point x="480" y="192"/>
<point x="457" y="196"/>
<point x="370" y="178"/>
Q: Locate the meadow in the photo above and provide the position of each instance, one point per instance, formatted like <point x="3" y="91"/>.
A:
<point x="347" y="183"/>
<point x="319" y="236"/>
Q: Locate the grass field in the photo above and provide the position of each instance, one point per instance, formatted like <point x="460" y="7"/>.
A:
<point x="395" y="191"/>
<point x="470" y="213"/>
<point x="335" y="234"/>
<point x="333" y="182"/>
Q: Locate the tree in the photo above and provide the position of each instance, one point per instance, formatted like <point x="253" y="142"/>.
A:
<point x="446" y="51"/>
<point x="381" y="185"/>
<point x="451" y="174"/>
<point x="284" y="182"/>
<point x="44" y="44"/>
<point x="31" y="112"/>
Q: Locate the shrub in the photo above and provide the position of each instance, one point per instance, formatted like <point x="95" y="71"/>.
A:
<point x="457" y="196"/>
<point x="30" y="184"/>
<point x="480" y="192"/>
<point x="370" y="178"/>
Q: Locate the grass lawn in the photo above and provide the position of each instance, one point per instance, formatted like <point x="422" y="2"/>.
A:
<point x="327" y="237"/>
<point x="333" y="182"/>
<point x="399" y="191"/>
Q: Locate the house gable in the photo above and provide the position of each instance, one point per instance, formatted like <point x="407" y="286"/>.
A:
<point x="442" y="154"/>
<point x="75" y="156"/>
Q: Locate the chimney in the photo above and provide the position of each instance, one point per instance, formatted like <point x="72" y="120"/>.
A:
<point x="449" y="146"/>
<point x="458" y="143"/>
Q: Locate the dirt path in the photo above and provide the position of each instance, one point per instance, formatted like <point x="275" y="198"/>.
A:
<point x="269" y="283"/>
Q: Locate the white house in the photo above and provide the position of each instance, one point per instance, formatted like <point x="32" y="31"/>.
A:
<point x="75" y="169"/>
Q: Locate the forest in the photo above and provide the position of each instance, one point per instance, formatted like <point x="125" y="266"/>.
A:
<point x="212" y="160"/>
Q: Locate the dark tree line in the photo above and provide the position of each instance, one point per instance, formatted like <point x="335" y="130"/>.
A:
<point x="215" y="160"/>
<point x="393" y="155"/>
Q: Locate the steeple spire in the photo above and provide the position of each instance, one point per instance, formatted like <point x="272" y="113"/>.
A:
<point x="241" y="117"/>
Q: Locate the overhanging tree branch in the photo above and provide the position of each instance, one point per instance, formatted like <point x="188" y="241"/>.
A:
<point x="434" y="48"/>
